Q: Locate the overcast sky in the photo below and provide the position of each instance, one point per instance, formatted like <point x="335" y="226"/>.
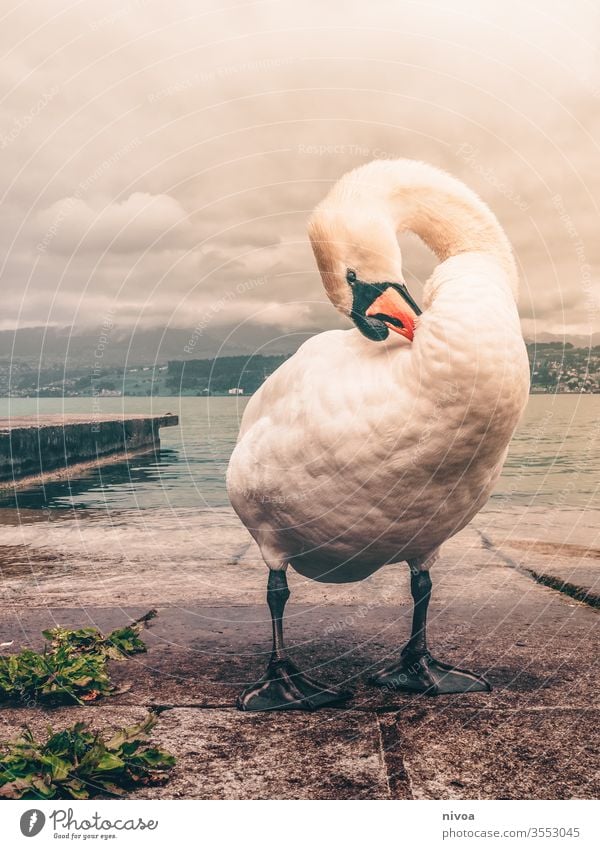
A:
<point x="159" y="160"/>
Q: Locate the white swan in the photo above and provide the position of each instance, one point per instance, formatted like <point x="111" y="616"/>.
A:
<point x="369" y="447"/>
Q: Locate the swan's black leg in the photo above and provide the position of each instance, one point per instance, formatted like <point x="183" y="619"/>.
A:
<point x="417" y="671"/>
<point x="283" y="686"/>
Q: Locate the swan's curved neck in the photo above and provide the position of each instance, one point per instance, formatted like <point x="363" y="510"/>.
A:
<point x="449" y="217"/>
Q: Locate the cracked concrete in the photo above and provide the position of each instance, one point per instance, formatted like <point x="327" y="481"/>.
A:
<point x="534" y="736"/>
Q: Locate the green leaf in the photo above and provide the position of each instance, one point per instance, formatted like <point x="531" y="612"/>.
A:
<point x="72" y="667"/>
<point x="157" y="758"/>
<point x="15" y="789"/>
<point x="112" y="788"/>
<point x="134" y="732"/>
<point x="43" y="787"/>
<point x="109" y="761"/>
<point x="59" y="767"/>
<point x="76" y="789"/>
<point x="76" y="763"/>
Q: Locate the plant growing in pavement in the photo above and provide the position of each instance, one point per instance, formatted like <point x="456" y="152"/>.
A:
<point x="79" y="763"/>
<point x="72" y="668"/>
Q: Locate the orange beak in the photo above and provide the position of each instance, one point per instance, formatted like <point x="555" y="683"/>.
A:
<point x="391" y="308"/>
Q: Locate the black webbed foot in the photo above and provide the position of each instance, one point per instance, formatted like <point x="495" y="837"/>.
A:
<point x="425" y="674"/>
<point x="284" y="687"/>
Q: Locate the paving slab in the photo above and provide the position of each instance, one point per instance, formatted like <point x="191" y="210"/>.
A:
<point x="476" y="753"/>
<point x="533" y="736"/>
<point x="224" y="754"/>
<point x="537" y="649"/>
<point x="536" y="645"/>
<point x="574" y="575"/>
<point x="94" y="560"/>
<point x="558" y="546"/>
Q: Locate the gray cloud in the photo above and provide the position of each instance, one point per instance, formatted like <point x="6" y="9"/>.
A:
<point x="155" y="157"/>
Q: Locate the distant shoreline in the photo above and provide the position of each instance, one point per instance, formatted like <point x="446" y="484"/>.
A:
<point x="568" y="371"/>
<point x="212" y="395"/>
<point x="550" y="392"/>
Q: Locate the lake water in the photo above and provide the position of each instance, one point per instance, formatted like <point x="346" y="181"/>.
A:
<point x="178" y="497"/>
<point x="554" y="456"/>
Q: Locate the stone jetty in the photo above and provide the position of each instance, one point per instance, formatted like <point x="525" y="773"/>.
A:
<point x="45" y="446"/>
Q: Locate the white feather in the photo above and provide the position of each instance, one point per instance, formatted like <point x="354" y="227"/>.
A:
<point x="355" y="453"/>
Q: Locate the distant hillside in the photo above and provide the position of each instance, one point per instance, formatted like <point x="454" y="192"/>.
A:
<point x="573" y="340"/>
<point x="119" y="346"/>
<point x="222" y="374"/>
<point x="554" y="368"/>
<point x="76" y="348"/>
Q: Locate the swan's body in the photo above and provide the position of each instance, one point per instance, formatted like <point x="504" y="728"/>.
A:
<point x="358" y="453"/>
<point x="355" y="454"/>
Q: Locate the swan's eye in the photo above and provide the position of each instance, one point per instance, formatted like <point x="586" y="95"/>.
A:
<point x="351" y="276"/>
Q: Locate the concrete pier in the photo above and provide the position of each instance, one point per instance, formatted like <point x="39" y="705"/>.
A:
<point x="46" y="445"/>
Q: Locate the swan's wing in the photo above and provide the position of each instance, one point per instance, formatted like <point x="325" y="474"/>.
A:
<point x="339" y="402"/>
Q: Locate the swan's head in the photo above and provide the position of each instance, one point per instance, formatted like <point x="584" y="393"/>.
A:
<point x="361" y="265"/>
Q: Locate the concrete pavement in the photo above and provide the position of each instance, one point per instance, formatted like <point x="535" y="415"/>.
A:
<point x="534" y="736"/>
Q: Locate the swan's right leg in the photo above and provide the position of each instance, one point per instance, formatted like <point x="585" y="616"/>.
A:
<point x="416" y="670"/>
<point x="283" y="686"/>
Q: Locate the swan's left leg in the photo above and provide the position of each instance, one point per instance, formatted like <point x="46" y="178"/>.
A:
<point x="283" y="686"/>
<point x="417" y="671"/>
